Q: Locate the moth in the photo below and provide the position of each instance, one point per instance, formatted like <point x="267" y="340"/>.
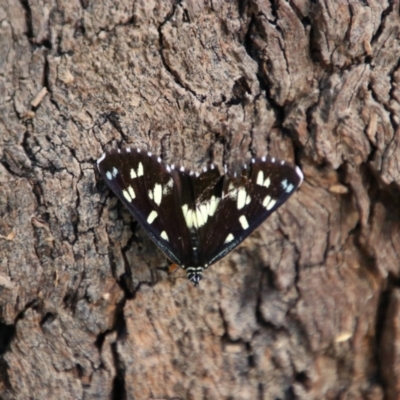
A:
<point x="196" y="218"/>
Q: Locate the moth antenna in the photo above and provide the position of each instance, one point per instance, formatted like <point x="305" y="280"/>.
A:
<point x="217" y="281"/>
<point x="179" y="288"/>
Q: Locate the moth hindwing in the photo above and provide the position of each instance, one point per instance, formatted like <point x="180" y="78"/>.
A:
<point x="197" y="218"/>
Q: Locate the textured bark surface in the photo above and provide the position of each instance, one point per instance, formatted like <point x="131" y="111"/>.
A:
<point x="86" y="310"/>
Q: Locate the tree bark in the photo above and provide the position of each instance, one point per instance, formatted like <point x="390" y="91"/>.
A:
<point x="307" y="307"/>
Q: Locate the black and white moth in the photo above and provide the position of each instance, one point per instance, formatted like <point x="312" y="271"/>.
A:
<point x="197" y="218"/>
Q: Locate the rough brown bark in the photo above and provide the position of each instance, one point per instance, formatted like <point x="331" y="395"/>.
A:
<point x="86" y="311"/>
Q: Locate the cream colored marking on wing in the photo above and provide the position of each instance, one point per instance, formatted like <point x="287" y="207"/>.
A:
<point x="243" y="221"/>
<point x="260" y="178"/>
<point x="204" y="214"/>
<point x="131" y="192"/>
<point x="266" y="201"/>
<point x="157" y="193"/>
<point x="152" y="216"/>
<point x="213" y="205"/>
<point x="229" y="238"/>
<point x="140" y="170"/>
<point x="208" y="207"/>
<point x="241" y="198"/>
<point x="199" y="217"/>
<point x="271" y="204"/>
<point x="164" y="236"/>
<point x="127" y="195"/>
<point x="289" y="188"/>
<point x="188" y="215"/>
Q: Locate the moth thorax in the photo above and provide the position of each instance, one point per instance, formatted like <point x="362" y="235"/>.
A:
<point x="194" y="274"/>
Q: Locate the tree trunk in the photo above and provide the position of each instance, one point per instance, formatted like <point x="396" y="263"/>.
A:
<point x="308" y="307"/>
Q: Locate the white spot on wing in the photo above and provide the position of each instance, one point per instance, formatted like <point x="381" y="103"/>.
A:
<point x="260" y="178"/>
<point x="243" y="221"/>
<point x="140" y="170"/>
<point x="109" y="175"/>
<point x="114" y="172"/>
<point x="289" y="188"/>
<point x="131" y="192"/>
<point x="269" y="203"/>
<point x="164" y="236"/>
<point x="128" y="150"/>
<point x="133" y="174"/>
<point x="213" y="205"/>
<point x="150" y="194"/>
<point x="152" y="216"/>
<point x="198" y="218"/>
<point x="229" y="238"/>
<point x="241" y="198"/>
<point x="203" y="212"/>
<point x="127" y="195"/>
<point x="208" y="205"/>
<point x="267" y="182"/>
<point x="188" y="215"/>
<point x="157" y="193"/>
<point x="266" y="201"/>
